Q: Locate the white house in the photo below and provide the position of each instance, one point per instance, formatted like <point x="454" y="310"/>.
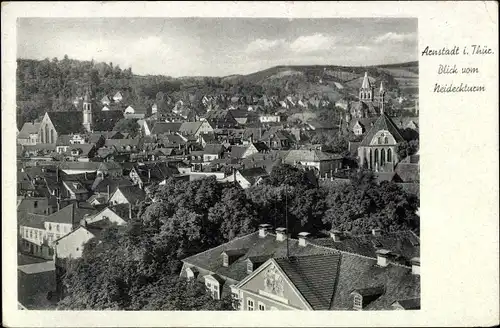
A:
<point x="269" y="118"/>
<point x="118" y="97"/>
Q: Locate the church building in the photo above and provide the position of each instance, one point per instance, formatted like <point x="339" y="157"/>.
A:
<point x="378" y="149"/>
<point x="85" y="119"/>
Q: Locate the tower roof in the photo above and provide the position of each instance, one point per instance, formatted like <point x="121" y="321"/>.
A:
<point x="86" y="97"/>
<point x="382" y="90"/>
<point x="366" y="82"/>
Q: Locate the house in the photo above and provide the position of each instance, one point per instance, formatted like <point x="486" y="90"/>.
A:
<point x="144" y="174"/>
<point x="360" y="126"/>
<point x="278" y="139"/>
<point x="320" y="162"/>
<point x="195" y="128"/>
<point x="75" y="190"/>
<point x="105" y="100"/>
<point x="212" y="151"/>
<point x="118" y="214"/>
<point x="111" y="169"/>
<point x="207" y="138"/>
<point x="29" y="134"/>
<point x="127" y="195"/>
<point x="161" y="128"/>
<point x="378" y="149"/>
<point x="70" y="246"/>
<point x="248" y="150"/>
<point x="36" y="281"/>
<point x="250" y="177"/>
<point x="118" y="97"/>
<point x="71" y="168"/>
<point x="272" y="271"/>
<point x="38" y="232"/>
<point x="219" y="119"/>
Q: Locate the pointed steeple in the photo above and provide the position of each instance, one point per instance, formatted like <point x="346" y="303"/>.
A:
<point x="381" y="90"/>
<point x="366" y="82"/>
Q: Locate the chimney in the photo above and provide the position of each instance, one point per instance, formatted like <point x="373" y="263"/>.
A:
<point x="281" y="234"/>
<point x="377" y="232"/>
<point x="336" y="235"/>
<point x="108" y="193"/>
<point x="130" y="211"/>
<point x="303" y="236"/>
<point x="415" y="265"/>
<point x="264" y="229"/>
<point x="58" y="204"/>
<point x="383" y="257"/>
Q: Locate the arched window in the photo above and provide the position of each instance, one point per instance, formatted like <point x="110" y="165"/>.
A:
<point x="389" y="155"/>
<point x="47" y="135"/>
<point x="52" y="136"/>
<point x="382" y="157"/>
<point x="386" y="140"/>
<point x="376" y="159"/>
<point x="379" y="140"/>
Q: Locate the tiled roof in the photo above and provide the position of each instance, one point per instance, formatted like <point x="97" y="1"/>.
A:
<point x="31" y="220"/>
<point x="67" y="122"/>
<point x="90" y="166"/>
<point x="404" y="243"/>
<point x="409" y="304"/>
<point x="408" y="172"/>
<point x="105" y="120"/>
<point x="213" y="149"/>
<point x="211" y="259"/>
<point x="305" y="155"/>
<point x="189" y="127"/>
<point x="71" y="214"/>
<point x="314" y="276"/>
<point x="27" y="129"/>
<point x="384" y="122"/>
<point x="238" y="151"/>
<point x="358" y="272"/>
<point x="163" y="127"/>
<point x="132" y="193"/>
<point x="252" y="174"/>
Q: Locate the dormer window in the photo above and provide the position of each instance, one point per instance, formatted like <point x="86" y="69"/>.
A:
<point x="358" y="302"/>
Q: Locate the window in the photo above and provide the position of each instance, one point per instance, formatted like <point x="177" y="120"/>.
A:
<point x="358" y="302"/>
<point x="379" y="140"/>
<point x="31" y="234"/>
<point x="262" y="307"/>
<point x="250" y="304"/>
<point x="386" y="140"/>
<point x="25" y="233"/>
<point x="50" y="226"/>
<point x="389" y="155"/>
<point x="51" y="251"/>
<point x="35" y="204"/>
<point x="57" y="227"/>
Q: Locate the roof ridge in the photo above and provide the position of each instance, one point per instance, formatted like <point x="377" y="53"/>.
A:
<point x="237" y="238"/>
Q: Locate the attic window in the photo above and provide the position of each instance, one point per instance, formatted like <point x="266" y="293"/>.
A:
<point x="225" y="260"/>
<point x="358" y="302"/>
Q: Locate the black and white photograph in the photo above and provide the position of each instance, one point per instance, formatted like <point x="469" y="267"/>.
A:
<point x="221" y="164"/>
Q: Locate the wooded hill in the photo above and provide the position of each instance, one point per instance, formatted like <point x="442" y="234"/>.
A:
<point x="44" y="85"/>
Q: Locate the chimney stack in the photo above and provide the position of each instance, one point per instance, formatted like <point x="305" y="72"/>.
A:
<point x="303" y="236"/>
<point x="264" y="229"/>
<point x="130" y="211"/>
<point x="383" y="257"/>
<point x="415" y="265"/>
<point x="281" y="234"/>
<point x="336" y="235"/>
<point x="377" y="232"/>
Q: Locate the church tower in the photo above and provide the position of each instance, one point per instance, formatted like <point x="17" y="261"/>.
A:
<point x="381" y="95"/>
<point x="87" y="112"/>
<point x="366" y="92"/>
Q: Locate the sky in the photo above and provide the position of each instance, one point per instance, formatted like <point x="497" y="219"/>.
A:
<point x="219" y="46"/>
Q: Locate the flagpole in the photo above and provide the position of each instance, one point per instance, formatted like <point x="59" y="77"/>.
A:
<point x="286" y="220"/>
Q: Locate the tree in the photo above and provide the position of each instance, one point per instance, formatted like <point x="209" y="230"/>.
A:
<point x="407" y="148"/>
<point x="234" y="214"/>
<point x="127" y="125"/>
<point x="290" y="175"/>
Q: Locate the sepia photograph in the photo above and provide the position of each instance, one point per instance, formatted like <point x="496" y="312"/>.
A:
<point x="217" y="163"/>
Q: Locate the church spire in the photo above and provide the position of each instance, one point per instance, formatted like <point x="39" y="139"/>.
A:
<point x="381" y="97"/>
<point x="366" y="82"/>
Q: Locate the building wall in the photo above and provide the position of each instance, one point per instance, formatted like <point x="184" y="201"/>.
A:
<point x="47" y="131"/>
<point x="33" y="288"/>
<point x="118" y="198"/>
<point x="255" y="289"/>
<point x="204" y="128"/>
<point x="71" y="246"/>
